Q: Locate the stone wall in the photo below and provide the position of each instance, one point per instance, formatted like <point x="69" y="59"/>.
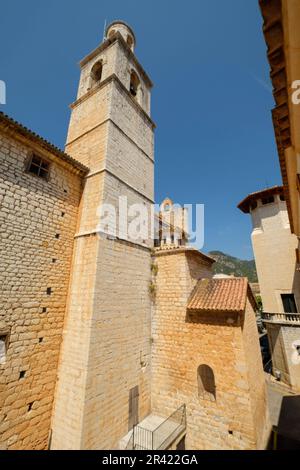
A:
<point x="291" y="338"/>
<point x="33" y="213"/>
<point x="182" y="342"/>
<point x="107" y="335"/>
<point x="274" y="249"/>
<point x="116" y="60"/>
<point x="283" y="340"/>
<point x="119" y="356"/>
<point x="255" y="378"/>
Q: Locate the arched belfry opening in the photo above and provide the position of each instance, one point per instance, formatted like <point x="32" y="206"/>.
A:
<point x="96" y="73"/>
<point x="167" y="205"/>
<point x="134" y="84"/>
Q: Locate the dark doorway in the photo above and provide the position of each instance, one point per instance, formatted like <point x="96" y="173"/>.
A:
<point x="289" y="303"/>
<point x="133" y="407"/>
<point x="265" y="352"/>
<point x="288" y="429"/>
<point x="181" y="444"/>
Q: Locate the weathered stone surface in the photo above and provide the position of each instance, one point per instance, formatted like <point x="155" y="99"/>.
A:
<point x="108" y="320"/>
<point x="238" y="418"/>
<point x="30" y="216"/>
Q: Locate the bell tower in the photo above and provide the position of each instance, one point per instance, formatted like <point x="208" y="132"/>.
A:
<point x="103" y="385"/>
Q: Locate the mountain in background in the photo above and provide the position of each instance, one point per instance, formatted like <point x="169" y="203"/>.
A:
<point x="227" y="264"/>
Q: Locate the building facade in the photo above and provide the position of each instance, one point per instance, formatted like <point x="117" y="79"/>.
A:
<point x="40" y="194"/>
<point x="109" y="310"/>
<point x="104" y="343"/>
<point x="206" y="354"/>
<point x="274" y="249"/>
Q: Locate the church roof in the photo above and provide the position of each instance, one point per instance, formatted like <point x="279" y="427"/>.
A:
<point x="9" y="124"/>
<point x="120" y="22"/>
<point x="221" y="295"/>
<point x="187" y="250"/>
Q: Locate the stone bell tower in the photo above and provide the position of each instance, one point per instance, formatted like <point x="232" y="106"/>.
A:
<point x="103" y="385"/>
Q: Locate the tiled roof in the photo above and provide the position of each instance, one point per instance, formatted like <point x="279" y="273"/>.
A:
<point x="220" y="295"/>
<point x="7" y="123"/>
<point x="244" y="205"/>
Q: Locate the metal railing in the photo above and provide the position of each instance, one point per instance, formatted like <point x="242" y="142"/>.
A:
<point x="165" y="432"/>
<point x="160" y="437"/>
<point x="142" y="438"/>
<point x="281" y="317"/>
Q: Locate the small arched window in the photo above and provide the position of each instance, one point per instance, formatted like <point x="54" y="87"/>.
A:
<point x="206" y="383"/>
<point x="96" y="73"/>
<point x="134" y="84"/>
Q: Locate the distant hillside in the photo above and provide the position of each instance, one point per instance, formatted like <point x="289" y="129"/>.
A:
<point x="227" y="264"/>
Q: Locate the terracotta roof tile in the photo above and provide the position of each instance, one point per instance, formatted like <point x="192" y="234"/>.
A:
<point x="222" y="295"/>
<point x="244" y="205"/>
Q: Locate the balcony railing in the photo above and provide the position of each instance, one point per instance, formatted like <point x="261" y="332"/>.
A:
<point x="162" y="436"/>
<point x="281" y="317"/>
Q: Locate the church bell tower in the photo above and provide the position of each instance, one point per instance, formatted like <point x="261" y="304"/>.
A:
<point x="103" y="386"/>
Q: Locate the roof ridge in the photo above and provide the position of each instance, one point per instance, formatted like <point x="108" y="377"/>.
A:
<point x="21" y="129"/>
<point x="227" y="295"/>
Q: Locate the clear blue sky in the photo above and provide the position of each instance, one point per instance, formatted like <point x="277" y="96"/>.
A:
<point x="211" y="101"/>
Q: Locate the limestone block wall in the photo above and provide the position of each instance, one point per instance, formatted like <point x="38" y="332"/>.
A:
<point x="90" y="147"/>
<point x="116" y="59"/>
<point x="119" y="356"/>
<point x="92" y="110"/>
<point x="283" y="340"/>
<point x="130" y="162"/>
<point x="182" y="342"/>
<point x="109" y="311"/>
<point x="125" y="112"/>
<point x="108" y="58"/>
<point x="125" y="63"/>
<point x="255" y="378"/>
<point x="33" y="213"/>
<point x="291" y="338"/>
<point x="114" y="188"/>
<point x="67" y="418"/>
<point x="106" y="348"/>
<point x="274" y="249"/>
<point x="277" y="348"/>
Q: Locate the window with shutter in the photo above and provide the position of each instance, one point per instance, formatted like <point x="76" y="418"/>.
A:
<point x="206" y="383"/>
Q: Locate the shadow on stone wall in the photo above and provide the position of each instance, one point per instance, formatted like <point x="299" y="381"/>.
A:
<point x="288" y="429"/>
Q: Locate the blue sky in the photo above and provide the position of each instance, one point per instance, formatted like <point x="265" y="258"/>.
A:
<point x="211" y="101"/>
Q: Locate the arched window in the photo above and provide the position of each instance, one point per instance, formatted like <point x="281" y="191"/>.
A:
<point x="206" y="383"/>
<point x="134" y="84"/>
<point x="96" y="73"/>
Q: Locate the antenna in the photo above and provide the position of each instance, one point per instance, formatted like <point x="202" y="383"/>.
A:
<point x="104" y="30"/>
